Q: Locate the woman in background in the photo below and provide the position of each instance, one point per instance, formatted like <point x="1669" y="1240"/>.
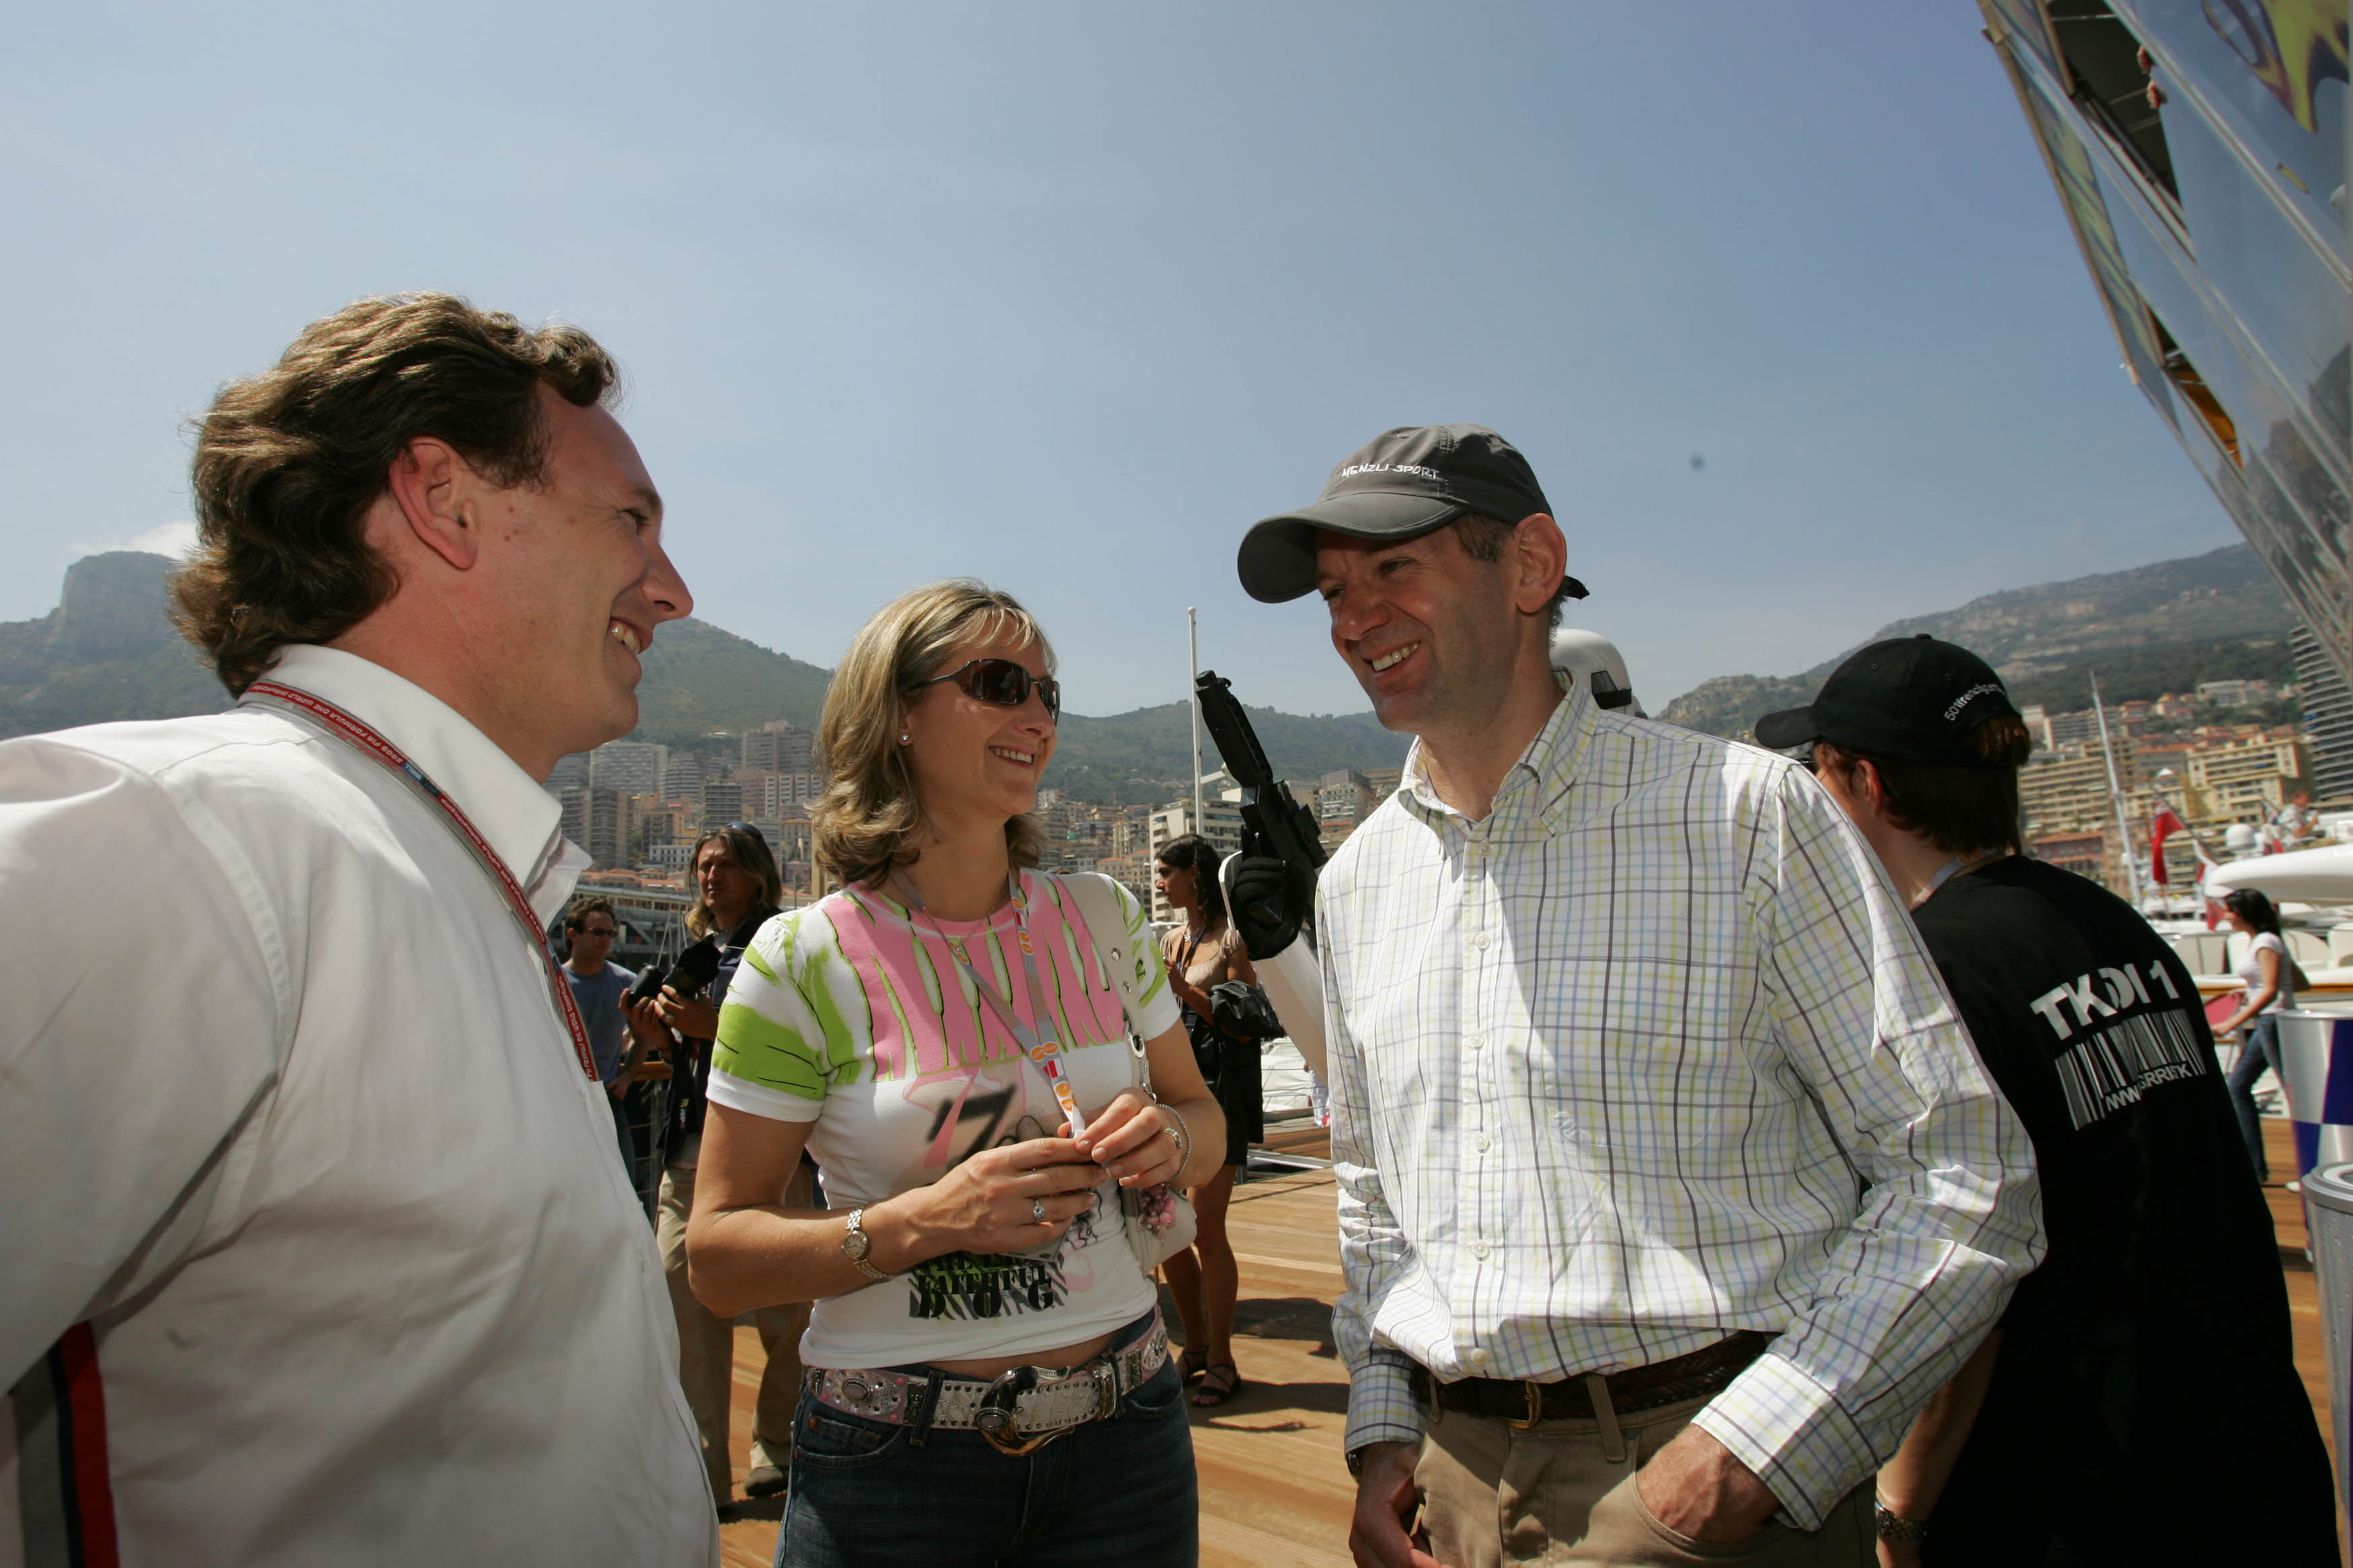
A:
<point x="1202" y="951"/>
<point x="2270" y="979"/>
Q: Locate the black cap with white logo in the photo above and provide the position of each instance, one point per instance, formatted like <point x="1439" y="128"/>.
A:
<point x="1912" y="699"/>
<point x="1401" y="483"/>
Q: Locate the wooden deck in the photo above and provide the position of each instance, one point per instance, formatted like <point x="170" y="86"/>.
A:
<point x="1274" y="1488"/>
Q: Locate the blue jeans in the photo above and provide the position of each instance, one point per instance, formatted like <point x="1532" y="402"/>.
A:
<point x="1118" y="1491"/>
<point x="2261" y="1051"/>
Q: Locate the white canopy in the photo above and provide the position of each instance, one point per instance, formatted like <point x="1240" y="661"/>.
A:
<point x="2322" y="876"/>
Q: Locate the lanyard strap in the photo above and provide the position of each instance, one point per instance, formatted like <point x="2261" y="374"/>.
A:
<point x="1038" y="1044"/>
<point x="361" y="737"/>
<point x="1956" y="867"/>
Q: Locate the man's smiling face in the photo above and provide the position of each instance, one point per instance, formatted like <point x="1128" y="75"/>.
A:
<point x="1427" y="631"/>
<point x="587" y="576"/>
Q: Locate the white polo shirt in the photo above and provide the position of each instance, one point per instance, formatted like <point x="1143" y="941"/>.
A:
<point x="289" y="1120"/>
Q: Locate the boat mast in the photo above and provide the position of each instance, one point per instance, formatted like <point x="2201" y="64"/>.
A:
<point x="1193" y="696"/>
<point x="2115" y="795"/>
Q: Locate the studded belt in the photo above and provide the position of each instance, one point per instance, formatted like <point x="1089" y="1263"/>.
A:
<point x="1019" y="1411"/>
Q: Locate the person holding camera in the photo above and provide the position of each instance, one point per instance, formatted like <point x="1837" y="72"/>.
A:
<point x="737" y="889"/>
<point x="989" y="1379"/>
<point x="1200" y="954"/>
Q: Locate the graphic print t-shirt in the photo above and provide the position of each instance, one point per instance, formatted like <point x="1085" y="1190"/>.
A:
<point x="851" y="1015"/>
<point x="2160" y="1313"/>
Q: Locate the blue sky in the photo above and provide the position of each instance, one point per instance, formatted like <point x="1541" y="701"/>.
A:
<point x="1066" y="296"/>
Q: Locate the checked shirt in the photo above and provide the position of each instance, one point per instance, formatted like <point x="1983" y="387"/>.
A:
<point x="1650" y="1054"/>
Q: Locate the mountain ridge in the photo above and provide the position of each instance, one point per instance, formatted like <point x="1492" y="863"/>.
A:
<point x="2207" y="617"/>
<point x="109" y="651"/>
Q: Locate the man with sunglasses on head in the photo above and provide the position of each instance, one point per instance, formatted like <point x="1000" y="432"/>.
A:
<point x="1670" y="1188"/>
<point x="2086" y="1428"/>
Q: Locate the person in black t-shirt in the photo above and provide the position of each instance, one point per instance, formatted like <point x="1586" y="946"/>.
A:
<point x="2138" y="1403"/>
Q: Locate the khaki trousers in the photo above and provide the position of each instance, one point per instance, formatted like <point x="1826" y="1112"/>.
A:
<point x="1563" y="1492"/>
<point x="706" y="1345"/>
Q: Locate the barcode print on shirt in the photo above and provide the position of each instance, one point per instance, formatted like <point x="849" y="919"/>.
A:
<point x="2104" y="1073"/>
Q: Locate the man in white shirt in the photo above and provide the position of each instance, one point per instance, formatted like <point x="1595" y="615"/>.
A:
<point x="1670" y="1188"/>
<point x="331" y="1259"/>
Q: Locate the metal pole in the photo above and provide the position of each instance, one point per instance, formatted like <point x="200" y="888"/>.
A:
<point x="1193" y="652"/>
<point x="2115" y="795"/>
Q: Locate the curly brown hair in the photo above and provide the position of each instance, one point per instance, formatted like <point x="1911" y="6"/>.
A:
<point x="289" y="462"/>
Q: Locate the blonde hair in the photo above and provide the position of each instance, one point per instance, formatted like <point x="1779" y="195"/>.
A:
<point x="871" y="813"/>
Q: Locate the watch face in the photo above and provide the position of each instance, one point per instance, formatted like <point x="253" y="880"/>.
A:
<point x="856" y="1243"/>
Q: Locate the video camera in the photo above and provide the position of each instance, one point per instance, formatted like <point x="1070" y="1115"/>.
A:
<point x="692" y="970"/>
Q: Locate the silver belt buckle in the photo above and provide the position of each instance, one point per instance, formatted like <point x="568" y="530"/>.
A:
<point x="997" y="1418"/>
<point x="1106" y="1381"/>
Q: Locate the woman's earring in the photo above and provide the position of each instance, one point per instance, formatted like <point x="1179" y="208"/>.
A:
<point x="903" y="738"/>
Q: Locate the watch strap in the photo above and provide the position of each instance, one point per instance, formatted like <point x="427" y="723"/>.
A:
<point x="1893" y="1526"/>
<point x="851" y="1237"/>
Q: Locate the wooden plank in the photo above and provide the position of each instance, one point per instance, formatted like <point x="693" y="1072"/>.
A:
<point x="1274" y="1488"/>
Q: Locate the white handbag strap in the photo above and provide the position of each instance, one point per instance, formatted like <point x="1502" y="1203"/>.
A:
<point x="1098" y="906"/>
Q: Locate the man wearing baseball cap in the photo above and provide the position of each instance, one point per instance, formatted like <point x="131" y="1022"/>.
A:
<point x="2091" y="1426"/>
<point x="1670" y="1188"/>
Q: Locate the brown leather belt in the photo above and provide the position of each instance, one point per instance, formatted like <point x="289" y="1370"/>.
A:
<point x="1523" y="1404"/>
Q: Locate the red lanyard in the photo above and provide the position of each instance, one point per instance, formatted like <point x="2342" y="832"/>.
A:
<point x="344" y="727"/>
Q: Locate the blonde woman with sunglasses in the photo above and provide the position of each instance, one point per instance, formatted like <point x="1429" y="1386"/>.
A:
<point x="989" y="1380"/>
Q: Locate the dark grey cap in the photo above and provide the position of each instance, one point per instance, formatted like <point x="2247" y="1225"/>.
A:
<point x="1401" y="483"/>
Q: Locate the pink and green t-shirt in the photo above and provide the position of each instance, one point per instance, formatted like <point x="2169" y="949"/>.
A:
<point x="848" y="1015"/>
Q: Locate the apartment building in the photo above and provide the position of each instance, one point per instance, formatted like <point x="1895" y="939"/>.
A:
<point x="632" y="767"/>
<point x="779" y="746"/>
<point x="2244" y="778"/>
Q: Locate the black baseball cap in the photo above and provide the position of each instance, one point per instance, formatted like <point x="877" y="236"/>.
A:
<point x="1401" y="483"/>
<point x="1912" y="699"/>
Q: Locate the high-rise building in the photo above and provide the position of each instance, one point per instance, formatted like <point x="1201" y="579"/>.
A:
<point x="571" y="772"/>
<point x="2199" y="153"/>
<point x="573" y="799"/>
<point x="723" y="802"/>
<point x="682" y="779"/>
<point x="2244" y="778"/>
<point x="774" y="795"/>
<point x="2327" y="718"/>
<point x="608" y="827"/>
<point x="633" y="767"/>
<point x="1342" y="796"/>
<point x="779" y="746"/>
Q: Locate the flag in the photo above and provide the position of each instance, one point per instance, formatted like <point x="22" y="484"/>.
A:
<point x="2161" y="826"/>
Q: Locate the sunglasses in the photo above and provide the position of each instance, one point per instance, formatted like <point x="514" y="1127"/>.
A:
<point x="1005" y="683"/>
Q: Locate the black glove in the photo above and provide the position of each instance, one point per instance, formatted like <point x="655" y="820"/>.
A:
<point x="1270" y="900"/>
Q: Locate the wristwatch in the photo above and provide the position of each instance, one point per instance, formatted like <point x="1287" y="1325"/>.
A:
<point x="1893" y="1526"/>
<point x="856" y="1244"/>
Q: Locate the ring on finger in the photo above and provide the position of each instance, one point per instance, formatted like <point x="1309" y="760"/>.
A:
<point x="1038" y="1210"/>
